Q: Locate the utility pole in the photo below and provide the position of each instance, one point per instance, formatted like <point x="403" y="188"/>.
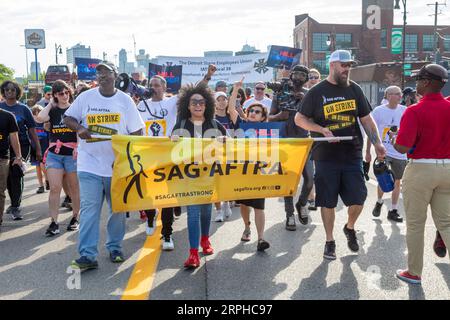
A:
<point x="436" y="48"/>
<point x="134" y="43"/>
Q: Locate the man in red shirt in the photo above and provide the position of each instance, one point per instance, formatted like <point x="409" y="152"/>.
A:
<point x="425" y="135"/>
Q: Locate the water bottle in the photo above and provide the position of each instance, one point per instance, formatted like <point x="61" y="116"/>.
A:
<point x="384" y="175"/>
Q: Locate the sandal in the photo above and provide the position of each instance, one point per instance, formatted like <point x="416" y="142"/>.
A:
<point x="246" y="235"/>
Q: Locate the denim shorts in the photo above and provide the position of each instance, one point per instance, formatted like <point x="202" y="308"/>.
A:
<point x="56" y="161"/>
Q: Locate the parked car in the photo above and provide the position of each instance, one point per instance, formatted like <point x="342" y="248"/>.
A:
<point x="57" y="72"/>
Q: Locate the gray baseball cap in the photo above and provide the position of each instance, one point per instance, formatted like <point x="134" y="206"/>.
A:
<point x="341" y="56"/>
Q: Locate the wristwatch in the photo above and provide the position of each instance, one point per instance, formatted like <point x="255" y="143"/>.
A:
<point x="207" y="78"/>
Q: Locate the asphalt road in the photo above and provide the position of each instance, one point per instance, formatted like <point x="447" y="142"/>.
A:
<point x="33" y="266"/>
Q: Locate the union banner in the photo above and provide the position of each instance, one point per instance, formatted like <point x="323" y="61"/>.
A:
<point x="155" y="172"/>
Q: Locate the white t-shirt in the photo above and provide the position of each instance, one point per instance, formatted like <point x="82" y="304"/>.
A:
<point x="162" y="116"/>
<point x="385" y="118"/>
<point x="117" y="112"/>
<point x="265" y="102"/>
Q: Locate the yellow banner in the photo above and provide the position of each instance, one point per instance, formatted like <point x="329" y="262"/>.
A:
<point x="154" y="172"/>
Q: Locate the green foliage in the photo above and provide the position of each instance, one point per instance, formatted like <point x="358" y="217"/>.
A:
<point x="6" y="73"/>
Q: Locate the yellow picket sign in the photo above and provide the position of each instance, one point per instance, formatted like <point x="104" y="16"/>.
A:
<point x="154" y="172"/>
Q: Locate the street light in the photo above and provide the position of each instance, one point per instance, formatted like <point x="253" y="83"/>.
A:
<point x="397" y="6"/>
<point x="56" y="51"/>
<point x="331" y="41"/>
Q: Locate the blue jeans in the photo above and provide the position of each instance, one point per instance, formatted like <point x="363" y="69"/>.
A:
<point x="93" y="190"/>
<point x="199" y="218"/>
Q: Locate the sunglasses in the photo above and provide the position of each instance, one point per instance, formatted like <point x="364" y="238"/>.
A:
<point x="254" y="111"/>
<point x="62" y="93"/>
<point x="346" y="65"/>
<point x="312" y="77"/>
<point x="195" y="102"/>
<point x="10" y="89"/>
<point x="259" y="89"/>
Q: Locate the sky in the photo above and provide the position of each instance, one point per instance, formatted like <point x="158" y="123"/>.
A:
<point x="172" y="27"/>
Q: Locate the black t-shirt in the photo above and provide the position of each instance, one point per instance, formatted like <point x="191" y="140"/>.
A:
<point x="8" y="125"/>
<point x="194" y="132"/>
<point x="59" y="131"/>
<point x="24" y="118"/>
<point x="290" y="129"/>
<point x="336" y="108"/>
<point x="227" y="123"/>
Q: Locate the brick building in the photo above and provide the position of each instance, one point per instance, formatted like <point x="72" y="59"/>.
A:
<point x="367" y="45"/>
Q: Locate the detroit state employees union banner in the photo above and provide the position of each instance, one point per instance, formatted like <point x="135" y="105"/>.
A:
<point x="229" y="69"/>
<point x="154" y="172"/>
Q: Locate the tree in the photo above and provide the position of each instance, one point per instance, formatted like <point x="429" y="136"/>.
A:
<point x="6" y="73"/>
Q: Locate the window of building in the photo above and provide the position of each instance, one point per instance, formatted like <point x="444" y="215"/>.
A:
<point x="411" y="43"/>
<point x="383" y="38"/>
<point x="428" y="42"/>
<point x="320" y="65"/>
<point x="343" y="40"/>
<point x="447" y="42"/>
<point x="320" y="42"/>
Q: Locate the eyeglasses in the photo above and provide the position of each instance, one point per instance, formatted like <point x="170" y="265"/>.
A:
<point x="195" y="102"/>
<point x="259" y="89"/>
<point x="254" y="111"/>
<point x="10" y="89"/>
<point x="313" y="77"/>
<point x="62" y="93"/>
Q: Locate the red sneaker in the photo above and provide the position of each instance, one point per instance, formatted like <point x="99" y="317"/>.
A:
<point x="407" y="277"/>
<point x="193" y="261"/>
<point x="206" y="245"/>
<point x="143" y="215"/>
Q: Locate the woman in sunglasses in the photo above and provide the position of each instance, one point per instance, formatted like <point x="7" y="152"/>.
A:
<point x="196" y="110"/>
<point x="60" y="157"/>
<point x="313" y="78"/>
<point x="256" y="112"/>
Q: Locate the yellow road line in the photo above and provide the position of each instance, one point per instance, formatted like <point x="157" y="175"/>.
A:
<point x="141" y="279"/>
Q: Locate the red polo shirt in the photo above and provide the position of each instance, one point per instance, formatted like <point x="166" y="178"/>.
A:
<point x="425" y="127"/>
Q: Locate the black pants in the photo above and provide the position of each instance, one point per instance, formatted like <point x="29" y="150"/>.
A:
<point x="14" y="183"/>
<point x="166" y="218"/>
<point x="308" y="183"/>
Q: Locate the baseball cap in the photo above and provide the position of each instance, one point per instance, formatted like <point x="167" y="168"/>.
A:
<point x="432" y="71"/>
<point x="108" y="65"/>
<point x="221" y="84"/>
<point x="220" y="94"/>
<point x="341" y="56"/>
<point x="408" y="90"/>
<point x="47" y="89"/>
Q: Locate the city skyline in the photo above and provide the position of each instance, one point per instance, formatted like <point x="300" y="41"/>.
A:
<point x="173" y="27"/>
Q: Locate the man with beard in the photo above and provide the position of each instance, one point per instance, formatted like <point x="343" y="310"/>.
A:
<point x="286" y="112"/>
<point x="330" y="109"/>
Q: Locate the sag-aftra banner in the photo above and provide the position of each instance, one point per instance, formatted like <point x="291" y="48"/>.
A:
<point x="155" y="172"/>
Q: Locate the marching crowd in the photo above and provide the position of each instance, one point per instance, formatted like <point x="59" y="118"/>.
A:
<point x="408" y="130"/>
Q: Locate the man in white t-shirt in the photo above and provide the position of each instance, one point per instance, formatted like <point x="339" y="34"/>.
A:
<point x="110" y="110"/>
<point x="260" y="97"/>
<point x="387" y="117"/>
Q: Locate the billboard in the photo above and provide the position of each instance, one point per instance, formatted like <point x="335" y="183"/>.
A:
<point x="86" y="68"/>
<point x="34" y="38"/>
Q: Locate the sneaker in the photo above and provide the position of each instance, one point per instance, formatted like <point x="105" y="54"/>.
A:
<point x="73" y="225"/>
<point x="193" y="261"/>
<point x="330" y="250"/>
<point x="219" y="216"/>
<point x="83" y="263"/>
<point x="262" y="245"/>
<point x="9" y="210"/>
<point x="142" y="215"/>
<point x="407" y="277"/>
<point x="52" y="230"/>
<point x="303" y="213"/>
<point x="116" y="256"/>
<point x="377" y="210"/>
<point x="312" y="205"/>
<point x="206" y="245"/>
<point x="227" y="210"/>
<point x="439" y="246"/>
<point x="15" y="212"/>
<point x="352" y="241"/>
<point x="67" y="203"/>
<point x="47" y="185"/>
<point x="40" y="190"/>
<point x="290" y="223"/>
<point x="177" y="212"/>
<point x="151" y="225"/>
<point x="394" y="216"/>
<point x="168" y="244"/>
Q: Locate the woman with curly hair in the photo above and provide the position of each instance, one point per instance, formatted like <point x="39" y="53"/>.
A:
<point x="196" y="109"/>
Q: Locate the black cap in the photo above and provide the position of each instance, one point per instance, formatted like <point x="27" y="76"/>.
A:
<point x="300" y="68"/>
<point x="408" y="90"/>
<point x="432" y="71"/>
